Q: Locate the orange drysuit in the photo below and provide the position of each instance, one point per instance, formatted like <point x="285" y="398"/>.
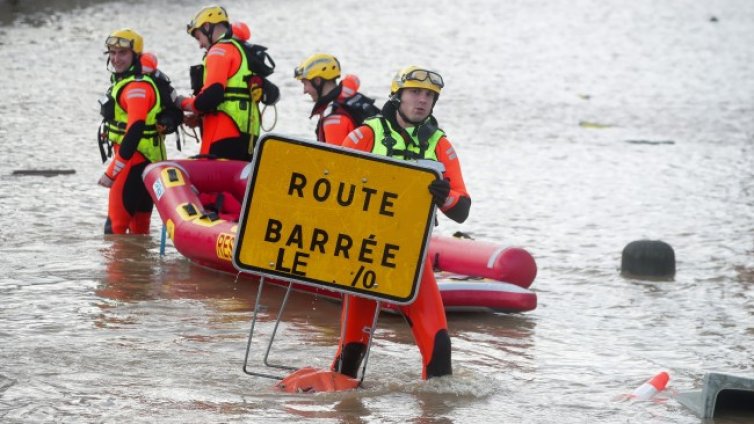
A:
<point x="221" y="136"/>
<point x="426" y="315"/>
<point x="130" y="206"/>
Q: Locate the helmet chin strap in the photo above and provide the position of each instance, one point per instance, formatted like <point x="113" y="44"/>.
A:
<point x="318" y="87"/>
<point x="208" y="32"/>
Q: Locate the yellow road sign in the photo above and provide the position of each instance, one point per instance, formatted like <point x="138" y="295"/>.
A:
<point x="349" y="221"/>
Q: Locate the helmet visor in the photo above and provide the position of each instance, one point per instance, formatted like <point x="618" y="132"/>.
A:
<point x="423" y="75"/>
<point x="121" y="42"/>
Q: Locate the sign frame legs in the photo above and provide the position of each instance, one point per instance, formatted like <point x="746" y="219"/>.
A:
<point x="266" y="361"/>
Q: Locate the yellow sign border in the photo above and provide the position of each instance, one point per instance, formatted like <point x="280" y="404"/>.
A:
<point x="271" y="272"/>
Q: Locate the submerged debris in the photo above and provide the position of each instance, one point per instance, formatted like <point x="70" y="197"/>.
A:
<point x="44" y="172"/>
<point x="651" y="142"/>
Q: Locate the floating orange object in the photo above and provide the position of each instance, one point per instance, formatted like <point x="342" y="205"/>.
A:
<point x="653" y="386"/>
<point x="312" y="380"/>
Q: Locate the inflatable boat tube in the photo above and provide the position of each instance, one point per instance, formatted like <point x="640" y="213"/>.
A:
<point x="485" y="276"/>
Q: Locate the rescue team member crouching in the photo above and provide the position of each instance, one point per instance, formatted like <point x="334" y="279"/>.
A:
<point x="338" y="105"/>
<point x="407" y="130"/>
<point x="232" y="85"/>
<point x="130" y="110"/>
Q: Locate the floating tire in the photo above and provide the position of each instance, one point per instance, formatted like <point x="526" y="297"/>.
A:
<point x="648" y="258"/>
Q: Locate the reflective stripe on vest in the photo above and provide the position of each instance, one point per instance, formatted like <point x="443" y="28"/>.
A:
<point x="151" y="144"/>
<point x="399" y="149"/>
<point x="237" y="103"/>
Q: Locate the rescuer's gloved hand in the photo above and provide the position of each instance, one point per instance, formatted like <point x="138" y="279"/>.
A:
<point x="192" y="120"/>
<point x="440" y="189"/>
<point x="117" y="165"/>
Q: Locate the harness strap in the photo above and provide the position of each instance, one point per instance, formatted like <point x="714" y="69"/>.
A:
<point x="387" y="140"/>
<point x="120" y="127"/>
<point x="238" y="90"/>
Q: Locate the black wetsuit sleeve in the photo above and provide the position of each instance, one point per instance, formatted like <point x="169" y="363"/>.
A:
<point x="131" y="140"/>
<point x="210" y="98"/>
<point x="460" y="211"/>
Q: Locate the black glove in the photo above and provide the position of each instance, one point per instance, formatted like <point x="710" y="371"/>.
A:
<point x="440" y="190"/>
<point x="270" y="93"/>
<point x="169" y="120"/>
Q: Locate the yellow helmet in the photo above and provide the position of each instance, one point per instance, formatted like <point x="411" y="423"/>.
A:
<point x="125" y="38"/>
<point x="417" y="77"/>
<point x="207" y="15"/>
<point x="321" y="65"/>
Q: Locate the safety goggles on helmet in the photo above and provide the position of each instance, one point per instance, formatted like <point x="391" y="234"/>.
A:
<point x="423" y="75"/>
<point x="208" y="15"/>
<point x="298" y="72"/>
<point x="113" y="41"/>
<point x="125" y="38"/>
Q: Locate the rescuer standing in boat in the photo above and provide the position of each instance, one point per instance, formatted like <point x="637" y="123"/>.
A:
<point x="130" y="110"/>
<point x="338" y="105"/>
<point x="408" y="130"/>
<point x="229" y="86"/>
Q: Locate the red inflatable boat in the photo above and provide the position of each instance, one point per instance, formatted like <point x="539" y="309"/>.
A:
<point x="472" y="275"/>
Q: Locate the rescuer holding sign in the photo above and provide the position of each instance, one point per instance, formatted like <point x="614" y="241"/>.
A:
<point x="407" y="130"/>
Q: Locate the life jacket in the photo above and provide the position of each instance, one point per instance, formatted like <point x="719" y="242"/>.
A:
<point x="356" y="106"/>
<point x="171" y="116"/>
<point x="151" y="144"/>
<point x="237" y="102"/>
<point x="259" y="63"/>
<point x="359" y="107"/>
<point x="417" y="142"/>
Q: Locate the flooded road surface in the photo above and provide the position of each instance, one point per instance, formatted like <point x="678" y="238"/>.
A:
<point x="581" y="126"/>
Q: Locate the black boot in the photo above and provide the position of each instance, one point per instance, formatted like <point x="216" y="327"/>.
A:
<point x="439" y="365"/>
<point x="350" y="359"/>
